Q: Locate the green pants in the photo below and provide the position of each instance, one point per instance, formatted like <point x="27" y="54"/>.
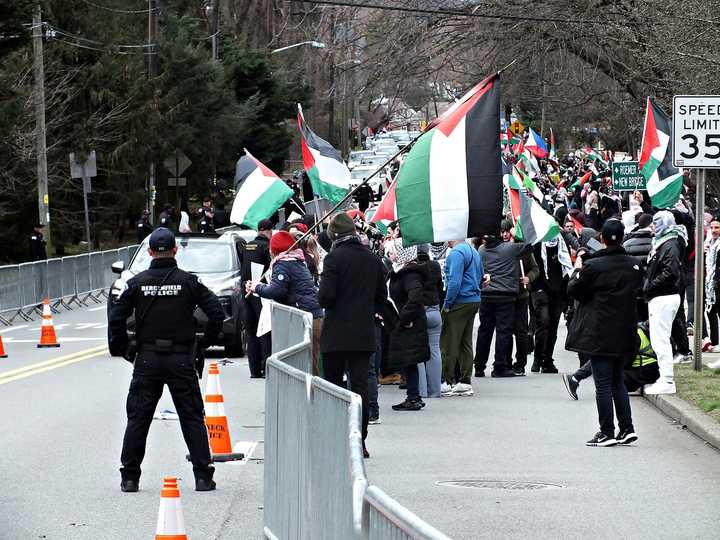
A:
<point x="456" y="341"/>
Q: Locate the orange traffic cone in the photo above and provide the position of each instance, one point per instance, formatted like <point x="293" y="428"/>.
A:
<point x="170" y="523"/>
<point x="47" y="330"/>
<point x="215" y="419"/>
<point x="2" y="349"/>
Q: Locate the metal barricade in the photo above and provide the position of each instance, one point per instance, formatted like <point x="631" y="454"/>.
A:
<point x="82" y="275"/>
<point x="27" y="284"/>
<point x="315" y="485"/>
<point x="124" y="256"/>
<point x="69" y="272"/>
<point x="108" y="258"/>
<point x="10" y="291"/>
<point x="96" y="271"/>
<point x="54" y="279"/>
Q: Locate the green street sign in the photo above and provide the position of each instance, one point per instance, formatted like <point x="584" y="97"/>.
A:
<point x="626" y="176"/>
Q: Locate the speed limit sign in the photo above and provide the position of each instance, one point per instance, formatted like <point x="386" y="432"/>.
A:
<point x="696" y="132"/>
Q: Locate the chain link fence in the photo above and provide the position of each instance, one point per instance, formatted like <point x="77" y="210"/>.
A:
<point x="64" y="281"/>
<point x="315" y="485"/>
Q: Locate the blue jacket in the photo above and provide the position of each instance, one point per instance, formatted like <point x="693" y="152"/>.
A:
<point x="291" y="284"/>
<point x="463" y="275"/>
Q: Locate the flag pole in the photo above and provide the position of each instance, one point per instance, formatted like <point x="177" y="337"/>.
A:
<point x="522" y="266"/>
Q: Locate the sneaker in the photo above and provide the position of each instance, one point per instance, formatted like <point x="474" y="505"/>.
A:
<point x="129" y="486"/>
<point x="519" y="372"/>
<point x="714" y="365"/>
<point x="366" y="454"/>
<point x="626" y="436"/>
<point x="680" y="358"/>
<point x="571" y="385"/>
<point x="535" y="368"/>
<point x="706" y="345"/>
<point x="445" y="389"/>
<point x="374" y="419"/>
<point x="462" y="389"/>
<point x="479" y="372"/>
<point x="204" y="484"/>
<point x="503" y="373"/>
<point x="659" y="387"/>
<point x="408" y="405"/>
<point x="690" y="330"/>
<point x="600" y="439"/>
<point x="714" y="349"/>
<point x="550" y="368"/>
<point x="421" y="402"/>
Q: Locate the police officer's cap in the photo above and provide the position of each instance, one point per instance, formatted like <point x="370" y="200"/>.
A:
<point x="265" y="225"/>
<point x="162" y="239"/>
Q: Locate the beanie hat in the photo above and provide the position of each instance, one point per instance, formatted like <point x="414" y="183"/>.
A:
<point x="281" y="241"/>
<point x="341" y="225"/>
<point x="299" y="227"/>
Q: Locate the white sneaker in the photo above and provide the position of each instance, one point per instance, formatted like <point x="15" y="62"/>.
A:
<point x="685" y="358"/>
<point x="445" y="389"/>
<point x="462" y="389"/>
<point x="660" y="387"/>
<point x="714" y="349"/>
<point x="714" y="365"/>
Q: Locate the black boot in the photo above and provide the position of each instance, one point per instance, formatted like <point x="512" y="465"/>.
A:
<point x="535" y="368"/>
<point x="129" y="485"/>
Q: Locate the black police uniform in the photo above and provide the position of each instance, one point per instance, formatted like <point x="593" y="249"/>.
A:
<point x="165" y="298"/>
<point x="165" y="220"/>
<point x="257" y="348"/>
<point x="206" y="225"/>
<point x="37" y="247"/>
<point x="143" y="229"/>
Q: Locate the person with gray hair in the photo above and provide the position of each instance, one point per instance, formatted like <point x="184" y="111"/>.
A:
<point x="664" y="281"/>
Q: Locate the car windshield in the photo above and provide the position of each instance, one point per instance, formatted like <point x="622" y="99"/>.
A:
<point x="361" y="174"/>
<point x="356" y="156"/>
<point x="198" y="256"/>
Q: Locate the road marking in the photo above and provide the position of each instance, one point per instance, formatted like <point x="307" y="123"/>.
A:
<point x="104" y="306"/>
<point x="87" y="326"/>
<point x="42" y="367"/>
<point x="60" y="339"/>
<point x="13" y="328"/>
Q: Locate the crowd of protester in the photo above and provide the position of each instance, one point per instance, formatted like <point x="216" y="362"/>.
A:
<point x="390" y="313"/>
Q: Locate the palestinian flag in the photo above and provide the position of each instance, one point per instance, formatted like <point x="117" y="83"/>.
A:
<point x="584" y="179"/>
<point x="536" y="144"/>
<point x="329" y="176"/>
<point x="523" y="181"/>
<point x="552" y="155"/>
<point x="450" y="184"/>
<point x="258" y="192"/>
<point x="504" y="139"/>
<point x="594" y="156"/>
<point x="664" y="181"/>
<point x="532" y="223"/>
<point x="387" y="210"/>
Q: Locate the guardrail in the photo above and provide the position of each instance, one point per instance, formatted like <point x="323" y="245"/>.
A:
<point x="315" y="485"/>
<point x="66" y="280"/>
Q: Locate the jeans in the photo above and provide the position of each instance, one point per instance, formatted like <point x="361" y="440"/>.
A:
<point x="456" y="342"/>
<point x="548" y="308"/>
<point x="373" y="373"/>
<point x="430" y="372"/>
<point x="662" y="310"/>
<point x="584" y="372"/>
<point x="412" y="380"/>
<point x="357" y="363"/>
<point x="521" y="332"/>
<point x="609" y="389"/>
<point x="498" y="317"/>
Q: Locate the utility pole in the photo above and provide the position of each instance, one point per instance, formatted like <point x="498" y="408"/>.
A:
<point x="40" y="143"/>
<point x="152" y="73"/>
<point x="215" y="30"/>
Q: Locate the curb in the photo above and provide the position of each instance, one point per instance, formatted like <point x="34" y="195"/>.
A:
<point x="689" y="416"/>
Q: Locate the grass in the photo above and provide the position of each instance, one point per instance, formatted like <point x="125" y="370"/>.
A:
<point x="701" y="389"/>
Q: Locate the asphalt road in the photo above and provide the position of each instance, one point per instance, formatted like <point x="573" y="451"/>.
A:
<point x="63" y="420"/>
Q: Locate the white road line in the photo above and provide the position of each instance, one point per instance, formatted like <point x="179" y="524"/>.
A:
<point x="245" y="447"/>
<point x="60" y="340"/>
<point x="12" y="328"/>
<point x="87" y="326"/>
<point x="104" y="306"/>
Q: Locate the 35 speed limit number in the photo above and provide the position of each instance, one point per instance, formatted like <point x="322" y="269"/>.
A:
<point x="696" y="132"/>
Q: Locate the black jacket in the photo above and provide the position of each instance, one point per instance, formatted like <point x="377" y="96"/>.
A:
<point x="554" y="281"/>
<point x="164" y="305"/>
<point x="291" y="284"/>
<point x="257" y="251"/>
<point x="664" y="274"/>
<point x="605" y="320"/>
<point x="352" y="290"/>
<point x="409" y="339"/>
<point x="639" y="244"/>
<point x="37" y="247"/>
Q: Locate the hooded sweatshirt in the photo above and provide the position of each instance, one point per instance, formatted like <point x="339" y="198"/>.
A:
<point x="463" y="275"/>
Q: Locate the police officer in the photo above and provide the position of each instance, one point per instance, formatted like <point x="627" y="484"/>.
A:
<point x="206" y="222"/>
<point x="258" y="252"/>
<point x="38" y="243"/>
<point x="164" y="299"/>
<point x="143" y="226"/>
<point x="166" y="217"/>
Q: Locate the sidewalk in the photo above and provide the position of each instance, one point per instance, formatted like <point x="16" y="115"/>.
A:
<point x="528" y="430"/>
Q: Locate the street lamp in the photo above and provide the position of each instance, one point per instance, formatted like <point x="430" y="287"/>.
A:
<point x="315" y="44"/>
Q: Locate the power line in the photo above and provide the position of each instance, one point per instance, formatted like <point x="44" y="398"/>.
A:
<point x="65" y="33"/>
<point x="108" y="50"/>
<point x="115" y="10"/>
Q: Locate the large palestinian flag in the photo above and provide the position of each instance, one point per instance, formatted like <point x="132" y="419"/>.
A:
<point x="258" y="192"/>
<point x="329" y="176"/>
<point x="664" y="181"/>
<point x="532" y="223"/>
<point x="450" y="184"/>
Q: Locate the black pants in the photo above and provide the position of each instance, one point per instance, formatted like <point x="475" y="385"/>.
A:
<point x="712" y="318"/>
<point x="634" y="378"/>
<point x="609" y="389"/>
<point x="548" y="308"/>
<point x="152" y="372"/>
<point x="521" y="332"/>
<point x="257" y="348"/>
<point x="358" y="365"/>
<point x="497" y="317"/>
<point x="678" y="334"/>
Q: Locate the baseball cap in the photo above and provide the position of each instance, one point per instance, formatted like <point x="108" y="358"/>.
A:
<point x="265" y="225"/>
<point x="162" y="240"/>
<point x="613" y="231"/>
